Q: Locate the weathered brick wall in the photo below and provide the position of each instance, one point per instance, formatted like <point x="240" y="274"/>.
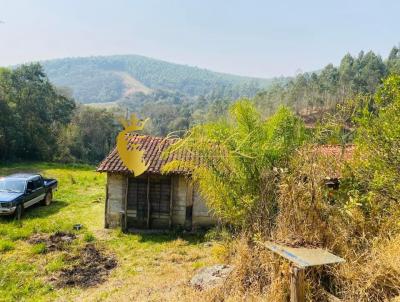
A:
<point x="179" y="200"/>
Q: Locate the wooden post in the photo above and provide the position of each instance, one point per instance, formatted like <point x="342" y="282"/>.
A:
<point x="171" y="201"/>
<point x="297" y="293"/>
<point x="189" y="205"/>
<point x="148" y="202"/>
<point x="125" y="226"/>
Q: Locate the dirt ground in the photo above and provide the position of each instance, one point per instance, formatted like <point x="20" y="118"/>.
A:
<point x="86" y="267"/>
<point x="91" y="267"/>
<point x="54" y="242"/>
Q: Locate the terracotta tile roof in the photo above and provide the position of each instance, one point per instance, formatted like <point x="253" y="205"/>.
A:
<point x="153" y="148"/>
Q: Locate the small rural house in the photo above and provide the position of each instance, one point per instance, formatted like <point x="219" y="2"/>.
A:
<point x="152" y="200"/>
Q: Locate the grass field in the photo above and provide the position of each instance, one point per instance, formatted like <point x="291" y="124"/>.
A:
<point x="150" y="267"/>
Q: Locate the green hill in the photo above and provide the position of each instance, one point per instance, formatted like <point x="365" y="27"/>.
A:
<point x="111" y="78"/>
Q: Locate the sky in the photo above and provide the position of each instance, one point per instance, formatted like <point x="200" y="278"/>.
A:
<point x="253" y="37"/>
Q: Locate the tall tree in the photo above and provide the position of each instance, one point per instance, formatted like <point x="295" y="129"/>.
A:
<point x="35" y="113"/>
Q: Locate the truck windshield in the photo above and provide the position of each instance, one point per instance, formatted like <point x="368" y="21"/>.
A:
<point x="12" y="185"/>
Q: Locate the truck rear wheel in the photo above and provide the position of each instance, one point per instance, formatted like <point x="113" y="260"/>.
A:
<point x="48" y="198"/>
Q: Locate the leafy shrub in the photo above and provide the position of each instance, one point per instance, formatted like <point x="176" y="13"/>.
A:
<point x="236" y="153"/>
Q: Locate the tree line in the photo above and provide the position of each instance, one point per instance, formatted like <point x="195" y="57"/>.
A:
<point x="314" y="93"/>
<point x="39" y="121"/>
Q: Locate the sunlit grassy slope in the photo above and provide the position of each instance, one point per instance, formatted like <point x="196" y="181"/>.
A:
<point x="150" y="267"/>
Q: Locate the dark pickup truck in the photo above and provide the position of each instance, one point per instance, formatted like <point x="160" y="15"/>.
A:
<point x="19" y="191"/>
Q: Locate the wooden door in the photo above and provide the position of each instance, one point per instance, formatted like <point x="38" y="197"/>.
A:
<point x="160" y="195"/>
<point x="137" y="203"/>
<point x="155" y="192"/>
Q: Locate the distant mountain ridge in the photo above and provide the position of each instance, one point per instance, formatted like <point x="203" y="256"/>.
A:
<point x="103" y="79"/>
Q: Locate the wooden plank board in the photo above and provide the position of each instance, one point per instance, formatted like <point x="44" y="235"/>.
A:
<point x="125" y="226"/>
<point x="304" y="257"/>
<point x="171" y="194"/>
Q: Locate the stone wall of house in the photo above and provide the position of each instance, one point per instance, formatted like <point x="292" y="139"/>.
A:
<point x="116" y="190"/>
<point x="179" y="200"/>
<point x="202" y="217"/>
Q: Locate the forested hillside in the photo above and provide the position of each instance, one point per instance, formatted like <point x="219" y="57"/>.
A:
<point x="312" y="94"/>
<point x="177" y="96"/>
<point x="112" y="78"/>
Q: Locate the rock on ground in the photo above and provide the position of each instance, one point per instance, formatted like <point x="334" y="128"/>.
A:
<point x="212" y="276"/>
